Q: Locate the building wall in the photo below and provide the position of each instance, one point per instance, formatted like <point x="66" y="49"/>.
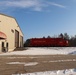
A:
<point x="8" y="25"/>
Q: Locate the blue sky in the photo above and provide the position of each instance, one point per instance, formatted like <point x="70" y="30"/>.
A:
<point x="38" y="18"/>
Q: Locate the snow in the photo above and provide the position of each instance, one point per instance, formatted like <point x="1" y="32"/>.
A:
<point x="25" y="64"/>
<point x="62" y="60"/>
<point x="15" y="63"/>
<point x="56" y="72"/>
<point x="44" y="51"/>
<point x="31" y="64"/>
<point x="20" y="57"/>
<point x="15" y="57"/>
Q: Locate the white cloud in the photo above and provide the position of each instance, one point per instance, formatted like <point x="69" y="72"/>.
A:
<point x="36" y="5"/>
<point x="57" y="5"/>
<point x="23" y="4"/>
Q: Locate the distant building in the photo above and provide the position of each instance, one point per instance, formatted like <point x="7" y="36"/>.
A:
<point x="11" y="36"/>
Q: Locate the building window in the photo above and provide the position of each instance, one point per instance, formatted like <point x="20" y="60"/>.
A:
<point x="12" y="30"/>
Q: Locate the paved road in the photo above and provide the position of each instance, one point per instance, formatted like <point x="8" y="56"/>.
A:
<point x="44" y="63"/>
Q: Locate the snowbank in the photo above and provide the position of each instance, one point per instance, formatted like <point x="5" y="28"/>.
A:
<point x="58" y="72"/>
<point x="44" y="51"/>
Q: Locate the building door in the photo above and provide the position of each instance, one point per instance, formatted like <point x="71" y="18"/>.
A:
<point x="21" y="41"/>
<point x="7" y="45"/>
<point x="3" y="48"/>
<point x="16" y="38"/>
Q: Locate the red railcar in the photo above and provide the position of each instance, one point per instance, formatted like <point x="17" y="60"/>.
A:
<point x="40" y="42"/>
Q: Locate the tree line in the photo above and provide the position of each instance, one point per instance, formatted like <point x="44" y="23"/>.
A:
<point x="71" y="39"/>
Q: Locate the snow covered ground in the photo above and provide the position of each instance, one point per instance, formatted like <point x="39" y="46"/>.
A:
<point x="56" y="72"/>
<point x="44" y="51"/>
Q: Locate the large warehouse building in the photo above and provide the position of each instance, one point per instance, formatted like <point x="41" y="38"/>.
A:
<point x="11" y="36"/>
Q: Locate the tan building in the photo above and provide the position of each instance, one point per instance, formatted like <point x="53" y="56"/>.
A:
<point x="11" y="35"/>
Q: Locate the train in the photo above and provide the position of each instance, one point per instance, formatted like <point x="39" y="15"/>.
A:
<point x="47" y="42"/>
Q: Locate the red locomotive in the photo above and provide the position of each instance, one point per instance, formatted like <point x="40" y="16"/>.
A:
<point x="47" y="42"/>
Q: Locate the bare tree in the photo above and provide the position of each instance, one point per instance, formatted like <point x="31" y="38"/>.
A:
<point x="48" y="37"/>
<point x="61" y="36"/>
<point x="66" y="36"/>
